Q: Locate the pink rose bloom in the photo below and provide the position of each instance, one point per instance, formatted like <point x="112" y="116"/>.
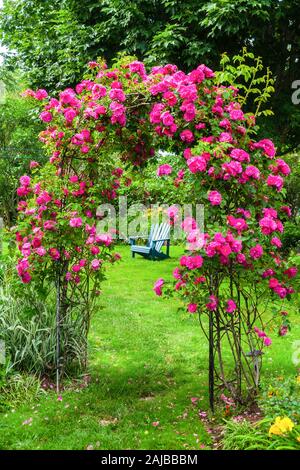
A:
<point x="281" y="291"/>
<point x="25" y="180"/>
<point x="281" y="167"/>
<point x="41" y="95"/>
<point x="188" y="92"/>
<point x="33" y="164"/>
<point x="167" y="119"/>
<point x="164" y="170"/>
<point x="26" y="249"/>
<point x="172" y="211"/>
<point x="176" y="273"/>
<point x="76" y="222"/>
<point x="232" y="168"/>
<point x="67" y="96"/>
<point x="276" y="242"/>
<point x="270" y="212"/>
<point x="239" y="224"/>
<point x="195" y="239"/>
<point x="74" y="179"/>
<point x="283" y="330"/>
<point x="256" y="252"/>
<point x="260" y="333"/>
<point x="95" y="264"/>
<point x="197" y="164"/>
<point x="287" y="210"/>
<point x="268" y="273"/>
<point x="213" y="304"/>
<point x="225" y="123"/>
<point x="192" y="308"/>
<point x="95" y="250"/>
<point x="236" y="115"/>
<point x="276" y="181"/>
<point x="267" y="146"/>
<point x="46" y="116"/>
<point x="54" y="253"/>
<point x="170" y="98"/>
<point x="214" y="198"/>
<point x="139" y="68"/>
<point x="70" y="115"/>
<point x="25" y="278"/>
<point x="104" y="239"/>
<point x="49" y="225"/>
<point x="99" y="90"/>
<point x="117" y="94"/>
<point x="267" y="341"/>
<point x="267" y="225"/>
<point x="273" y="283"/>
<point x="189" y="224"/>
<point x="44" y="196"/>
<point x="41" y="251"/>
<point x="158" y="286"/>
<point x="84" y="149"/>
<point x="225" y="137"/>
<point x="252" y="172"/>
<point x="291" y="272"/>
<point x="76" y="268"/>
<point x="240" y="155"/>
<point x="187" y="136"/>
<point x="231" y="306"/>
<point x="192" y="262"/>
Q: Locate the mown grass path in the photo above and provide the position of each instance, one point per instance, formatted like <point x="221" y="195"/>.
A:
<point x="146" y="363"/>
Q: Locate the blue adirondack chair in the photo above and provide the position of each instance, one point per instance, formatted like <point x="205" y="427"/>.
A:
<point x="159" y="234"/>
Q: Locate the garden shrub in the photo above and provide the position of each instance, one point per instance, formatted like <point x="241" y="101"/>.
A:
<point x="19" y="125"/>
<point x="29" y="332"/>
<point x="280" y="428"/>
<point x="281" y="397"/>
<point x="19" y="389"/>
<point x="28" y="329"/>
<point x="269" y="434"/>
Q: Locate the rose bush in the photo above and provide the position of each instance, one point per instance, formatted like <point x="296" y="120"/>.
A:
<point x="125" y="111"/>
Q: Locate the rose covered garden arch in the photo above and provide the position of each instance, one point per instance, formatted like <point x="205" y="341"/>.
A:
<point x="125" y="114"/>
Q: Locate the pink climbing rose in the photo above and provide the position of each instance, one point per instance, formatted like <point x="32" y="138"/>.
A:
<point x="158" y="286"/>
<point x="214" y="198"/>
<point x="231" y="306"/>
<point x="256" y="252"/>
<point x="76" y="222"/>
<point x="213" y="303"/>
<point x="164" y="170"/>
<point x="192" y="308"/>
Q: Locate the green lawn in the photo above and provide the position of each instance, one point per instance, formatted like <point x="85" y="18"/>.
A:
<point x="146" y="362"/>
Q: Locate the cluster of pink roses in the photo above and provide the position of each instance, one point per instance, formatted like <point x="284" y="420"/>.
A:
<point x="127" y="110"/>
<point x="40" y="241"/>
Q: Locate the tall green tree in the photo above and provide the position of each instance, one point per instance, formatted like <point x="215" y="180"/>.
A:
<point x="19" y="144"/>
<point x="53" y="40"/>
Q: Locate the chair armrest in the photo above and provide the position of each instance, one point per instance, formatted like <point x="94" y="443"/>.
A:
<point x="162" y="240"/>
<point x="139" y="236"/>
<point x="133" y="239"/>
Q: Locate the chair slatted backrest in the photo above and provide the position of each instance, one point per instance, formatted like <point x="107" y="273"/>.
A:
<point x="155" y="234"/>
<point x="150" y="238"/>
<point x="163" y="234"/>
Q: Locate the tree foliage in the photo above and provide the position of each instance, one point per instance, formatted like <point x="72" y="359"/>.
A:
<point x="44" y="34"/>
<point x="19" y="125"/>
